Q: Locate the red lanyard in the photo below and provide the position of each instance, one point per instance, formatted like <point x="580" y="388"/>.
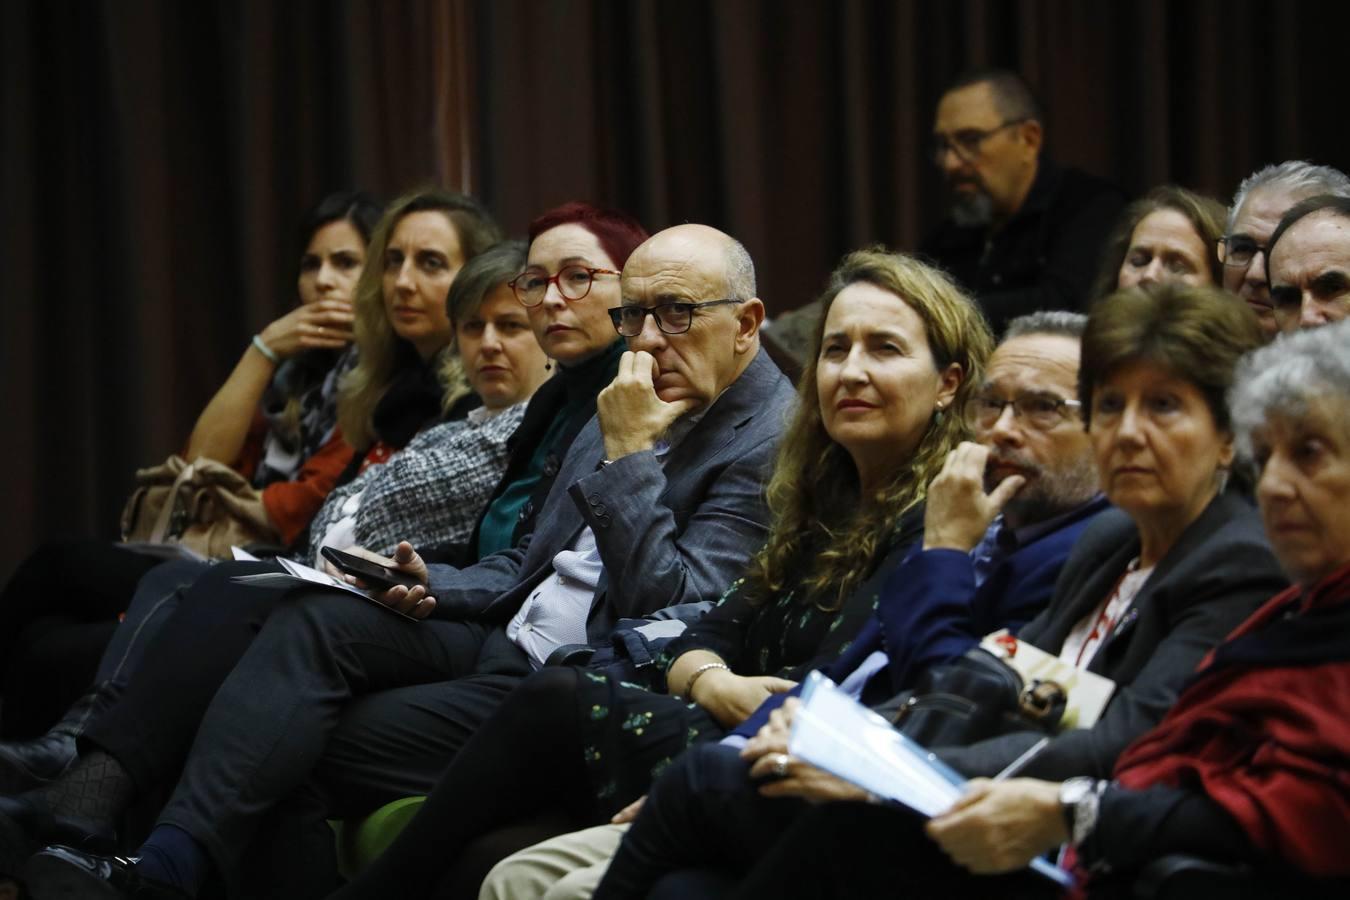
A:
<point x="1102" y="616"/>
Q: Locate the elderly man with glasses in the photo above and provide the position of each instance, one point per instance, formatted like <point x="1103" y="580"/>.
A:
<point x="1023" y="234"/>
<point x="1260" y="202"/>
<point x="659" y="501"/>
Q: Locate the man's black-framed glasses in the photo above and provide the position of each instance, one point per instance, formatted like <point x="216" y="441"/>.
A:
<point x="966" y="142"/>
<point x="671" y="318"/>
<point x="1040" y="410"/>
<point x="1239" y="250"/>
<point x="574" y="283"/>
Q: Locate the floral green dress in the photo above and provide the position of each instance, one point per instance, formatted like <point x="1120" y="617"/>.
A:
<point x="631" y="734"/>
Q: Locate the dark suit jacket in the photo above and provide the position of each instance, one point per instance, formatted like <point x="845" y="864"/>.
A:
<point x="1216" y="575"/>
<point x="668" y="532"/>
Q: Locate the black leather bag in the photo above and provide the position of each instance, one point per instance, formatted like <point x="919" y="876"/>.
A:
<point x="974" y="697"/>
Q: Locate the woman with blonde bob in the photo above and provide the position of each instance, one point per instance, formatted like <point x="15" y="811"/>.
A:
<point x="898" y="347"/>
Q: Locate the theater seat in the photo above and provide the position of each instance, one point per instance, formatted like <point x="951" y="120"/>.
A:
<point x="359" y="841"/>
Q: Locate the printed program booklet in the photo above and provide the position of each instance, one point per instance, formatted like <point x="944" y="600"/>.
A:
<point x="298" y="575"/>
<point x="834" y="732"/>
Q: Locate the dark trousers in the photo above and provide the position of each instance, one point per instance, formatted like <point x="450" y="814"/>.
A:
<point x="334" y="686"/>
<point x="522" y="774"/>
<point x="704" y="824"/>
<point x="178" y="669"/>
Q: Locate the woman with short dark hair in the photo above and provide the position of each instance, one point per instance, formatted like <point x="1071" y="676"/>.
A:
<point x="1249" y="767"/>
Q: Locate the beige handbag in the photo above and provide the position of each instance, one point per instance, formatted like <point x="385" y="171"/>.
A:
<point x="203" y="506"/>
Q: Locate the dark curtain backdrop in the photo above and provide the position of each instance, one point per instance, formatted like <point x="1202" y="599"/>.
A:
<point x="157" y="154"/>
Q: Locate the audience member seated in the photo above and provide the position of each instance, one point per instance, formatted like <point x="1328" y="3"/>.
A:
<point x="658" y="500"/>
<point x="1023" y="234"/>
<point x="1147" y="591"/>
<point x="1310" y="275"/>
<point x="273" y="419"/>
<point x="1166" y="235"/>
<point x="897" y="354"/>
<point x="149" y="720"/>
<point x="431" y="491"/>
<point x="1260" y="202"/>
<point x="999" y="523"/>
<point x="1249" y="767"/>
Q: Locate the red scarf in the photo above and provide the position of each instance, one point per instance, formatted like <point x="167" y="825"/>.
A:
<point x="1264" y="729"/>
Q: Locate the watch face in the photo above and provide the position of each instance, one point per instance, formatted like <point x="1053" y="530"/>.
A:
<point x="1079" y="799"/>
<point x="1073" y="790"/>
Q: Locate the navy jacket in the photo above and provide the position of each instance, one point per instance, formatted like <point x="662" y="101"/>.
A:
<point x="930" y="611"/>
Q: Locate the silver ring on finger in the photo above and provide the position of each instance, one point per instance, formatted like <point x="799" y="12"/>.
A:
<point x="780" y="765"/>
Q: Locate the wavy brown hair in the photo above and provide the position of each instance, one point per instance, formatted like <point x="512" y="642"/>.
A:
<point x="818" y="513"/>
<point x="1205" y="214"/>
<point x="361" y="390"/>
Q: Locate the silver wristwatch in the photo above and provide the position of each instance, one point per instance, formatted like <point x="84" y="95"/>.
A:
<point x="1080" y="799"/>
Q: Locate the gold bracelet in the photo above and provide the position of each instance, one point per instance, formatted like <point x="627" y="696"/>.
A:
<point x="697" y="674"/>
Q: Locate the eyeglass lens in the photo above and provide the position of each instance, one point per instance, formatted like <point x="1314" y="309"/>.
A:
<point x="1241" y="251"/>
<point x="1040" y="411"/>
<point x="574" y="283"/>
<point x="672" y="318"/>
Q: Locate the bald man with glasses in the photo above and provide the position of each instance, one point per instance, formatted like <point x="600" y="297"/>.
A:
<point x="340" y="706"/>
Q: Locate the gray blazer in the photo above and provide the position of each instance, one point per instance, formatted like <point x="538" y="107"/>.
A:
<point x="1215" y="576"/>
<point x="668" y="532"/>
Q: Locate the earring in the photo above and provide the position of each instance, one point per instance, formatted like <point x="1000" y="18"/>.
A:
<point x="548" y="365"/>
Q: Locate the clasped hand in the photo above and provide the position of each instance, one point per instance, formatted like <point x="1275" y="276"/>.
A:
<point x="323" y="324"/>
<point x="413" y="601"/>
<point x="632" y="417"/>
<point x="958" y="511"/>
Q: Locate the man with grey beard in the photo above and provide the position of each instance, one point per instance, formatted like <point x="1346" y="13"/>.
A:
<point x="1023" y="234"/>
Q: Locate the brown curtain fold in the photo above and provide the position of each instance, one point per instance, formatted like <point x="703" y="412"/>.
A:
<point x="156" y="155"/>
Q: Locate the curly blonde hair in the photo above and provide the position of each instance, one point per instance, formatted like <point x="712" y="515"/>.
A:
<point x="819" y="522"/>
<point x="361" y="390"/>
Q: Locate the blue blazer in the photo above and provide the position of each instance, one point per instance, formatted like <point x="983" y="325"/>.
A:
<point x="930" y="610"/>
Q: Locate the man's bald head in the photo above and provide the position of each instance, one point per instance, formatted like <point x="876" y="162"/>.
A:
<point x="704" y="243"/>
<point x="689" y="265"/>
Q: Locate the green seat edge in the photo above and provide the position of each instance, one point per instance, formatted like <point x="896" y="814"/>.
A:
<point x="359" y="841"/>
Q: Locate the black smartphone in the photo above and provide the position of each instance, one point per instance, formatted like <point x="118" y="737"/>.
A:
<point x="372" y="573"/>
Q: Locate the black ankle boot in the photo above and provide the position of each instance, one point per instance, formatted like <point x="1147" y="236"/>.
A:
<point x="25" y="765"/>
<point x="29" y="822"/>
